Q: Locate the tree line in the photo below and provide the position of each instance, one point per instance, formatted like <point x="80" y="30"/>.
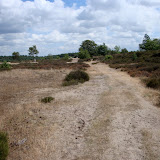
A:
<point x="149" y="44"/>
<point x="87" y="49"/>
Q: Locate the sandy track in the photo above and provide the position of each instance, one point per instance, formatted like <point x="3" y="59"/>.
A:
<point x="106" y="118"/>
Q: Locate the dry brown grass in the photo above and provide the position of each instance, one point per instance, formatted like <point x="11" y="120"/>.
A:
<point x="17" y="83"/>
<point x="21" y="110"/>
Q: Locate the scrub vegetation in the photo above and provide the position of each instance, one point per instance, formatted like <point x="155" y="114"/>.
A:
<point x="4" y="147"/>
<point x="75" y="77"/>
<point x="142" y="63"/>
<point x="27" y="85"/>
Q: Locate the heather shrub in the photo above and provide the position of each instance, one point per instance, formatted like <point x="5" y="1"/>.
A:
<point x="47" y="99"/>
<point x="5" y="66"/>
<point x="134" y="57"/>
<point x="4" y="147"/>
<point x="108" y="57"/>
<point x="69" y="83"/>
<point x="75" y="77"/>
<point x="153" y="82"/>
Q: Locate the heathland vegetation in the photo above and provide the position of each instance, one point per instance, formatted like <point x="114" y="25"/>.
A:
<point x="75" y="77"/>
<point x="4" y="147"/>
<point x="144" y="63"/>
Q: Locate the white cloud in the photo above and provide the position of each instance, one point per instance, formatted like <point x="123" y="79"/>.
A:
<point x="55" y="28"/>
<point x="148" y="3"/>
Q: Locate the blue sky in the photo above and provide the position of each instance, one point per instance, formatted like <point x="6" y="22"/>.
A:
<point x="69" y="3"/>
<point x="78" y="2"/>
<point x="59" y="26"/>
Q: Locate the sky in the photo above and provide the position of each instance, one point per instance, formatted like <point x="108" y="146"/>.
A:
<point x="60" y="26"/>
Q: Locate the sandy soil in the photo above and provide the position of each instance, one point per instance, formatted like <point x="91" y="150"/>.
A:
<point x="10" y="63"/>
<point x="74" y="60"/>
<point x="110" y="117"/>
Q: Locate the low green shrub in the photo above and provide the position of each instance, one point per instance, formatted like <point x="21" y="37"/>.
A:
<point x="69" y="83"/>
<point x="75" y="77"/>
<point x="84" y="54"/>
<point x="95" y="63"/>
<point x="66" y="57"/>
<point x="108" y="57"/>
<point x="134" y="57"/>
<point x="4" y="147"/>
<point x="153" y="83"/>
<point x="47" y="99"/>
<point x="5" y="66"/>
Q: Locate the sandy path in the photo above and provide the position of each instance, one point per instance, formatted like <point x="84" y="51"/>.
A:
<point x="106" y="118"/>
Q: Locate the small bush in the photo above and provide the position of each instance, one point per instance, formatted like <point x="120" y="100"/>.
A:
<point x="95" y="63"/>
<point x="153" y="82"/>
<point x="4" y="147"/>
<point x="69" y="83"/>
<point x="84" y="54"/>
<point x="47" y="99"/>
<point x="107" y="57"/>
<point x="66" y="57"/>
<point x="5" y="66"/>
<point x="75" y="77"/>
<point x="134" y="56"/>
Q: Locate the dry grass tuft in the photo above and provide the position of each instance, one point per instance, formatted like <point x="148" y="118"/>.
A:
<point x="47" y="99"/>
<point x="4" y="148"/>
